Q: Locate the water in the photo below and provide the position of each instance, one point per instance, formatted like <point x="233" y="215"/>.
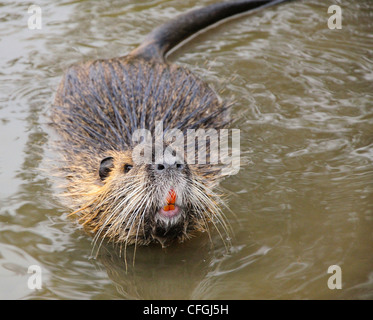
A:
<point x="302" y="203"/>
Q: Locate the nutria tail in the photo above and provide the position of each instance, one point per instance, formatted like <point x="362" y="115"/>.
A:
<point x="165" y="37"/>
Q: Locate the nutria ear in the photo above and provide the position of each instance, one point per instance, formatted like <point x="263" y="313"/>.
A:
<point x="106" y="165"/>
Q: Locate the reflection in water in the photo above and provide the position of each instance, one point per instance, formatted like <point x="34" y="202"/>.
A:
<point x="303" y="202"/>
<point x="194" y="269"/>
<point x="172" y="273"/>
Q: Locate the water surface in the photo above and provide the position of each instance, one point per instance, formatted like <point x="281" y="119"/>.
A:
<point x="302" y="202"/>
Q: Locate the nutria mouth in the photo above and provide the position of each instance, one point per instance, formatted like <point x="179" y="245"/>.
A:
<point x="98" y="109"/>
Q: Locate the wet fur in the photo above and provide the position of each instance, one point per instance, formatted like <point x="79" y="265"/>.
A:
<point x="97" y="107"/>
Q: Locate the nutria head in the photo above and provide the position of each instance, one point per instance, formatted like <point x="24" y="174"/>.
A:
<point x="132" y="202"/>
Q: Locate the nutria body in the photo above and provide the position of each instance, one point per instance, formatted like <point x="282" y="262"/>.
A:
<point x="98" y="107"/>
<point x="104" y="101"/>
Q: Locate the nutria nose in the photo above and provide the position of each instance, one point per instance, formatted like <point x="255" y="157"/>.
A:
<point x="162" y="167"/>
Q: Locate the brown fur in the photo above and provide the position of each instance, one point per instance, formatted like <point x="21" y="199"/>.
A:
<point x="96" y="108"/>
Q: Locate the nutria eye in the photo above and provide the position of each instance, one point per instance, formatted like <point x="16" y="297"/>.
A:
<point x="127" y="167"/>
<point x="106" y="166"/>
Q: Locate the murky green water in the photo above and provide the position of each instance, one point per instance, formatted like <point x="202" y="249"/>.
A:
<point x="304" y="201"/>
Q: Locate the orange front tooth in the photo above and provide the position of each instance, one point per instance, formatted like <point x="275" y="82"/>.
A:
<point x="171" y="199"/>
<point x="169" y="207"/>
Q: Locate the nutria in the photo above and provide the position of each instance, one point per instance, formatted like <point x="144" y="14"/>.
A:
<point x="98" y="107"/>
